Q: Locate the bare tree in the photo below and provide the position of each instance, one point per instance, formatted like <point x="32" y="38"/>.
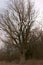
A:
<point x="18" y="24"/>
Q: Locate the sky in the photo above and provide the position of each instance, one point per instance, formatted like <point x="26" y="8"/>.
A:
<point x="3" y="3"/>
<point x="38" y="6"/>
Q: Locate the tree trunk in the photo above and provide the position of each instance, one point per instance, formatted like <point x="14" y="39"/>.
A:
<point x="22" y="59"/>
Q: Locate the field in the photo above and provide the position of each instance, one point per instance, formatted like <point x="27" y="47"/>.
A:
<point x="29" y="62"/>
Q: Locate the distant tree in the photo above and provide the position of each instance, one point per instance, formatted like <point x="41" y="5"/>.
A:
<point x="34" y="44"/>
<point x="18" y="24"/>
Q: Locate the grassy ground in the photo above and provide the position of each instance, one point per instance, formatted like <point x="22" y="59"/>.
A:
<point x="29" y="62"/>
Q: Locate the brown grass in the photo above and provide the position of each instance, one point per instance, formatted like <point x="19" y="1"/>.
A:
<point x="29" y="62"/>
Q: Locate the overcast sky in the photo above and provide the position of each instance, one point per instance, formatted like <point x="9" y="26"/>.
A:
<point x="3" y="3"/>
<point x="39" y="4"/>
<point x="39" y="7"/>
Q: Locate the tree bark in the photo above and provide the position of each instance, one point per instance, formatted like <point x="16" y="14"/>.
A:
<point x="22" y="59"/>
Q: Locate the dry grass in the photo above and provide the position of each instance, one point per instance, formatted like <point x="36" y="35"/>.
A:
<point x="29" y="62"/>
<point x="34" y="62"/>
